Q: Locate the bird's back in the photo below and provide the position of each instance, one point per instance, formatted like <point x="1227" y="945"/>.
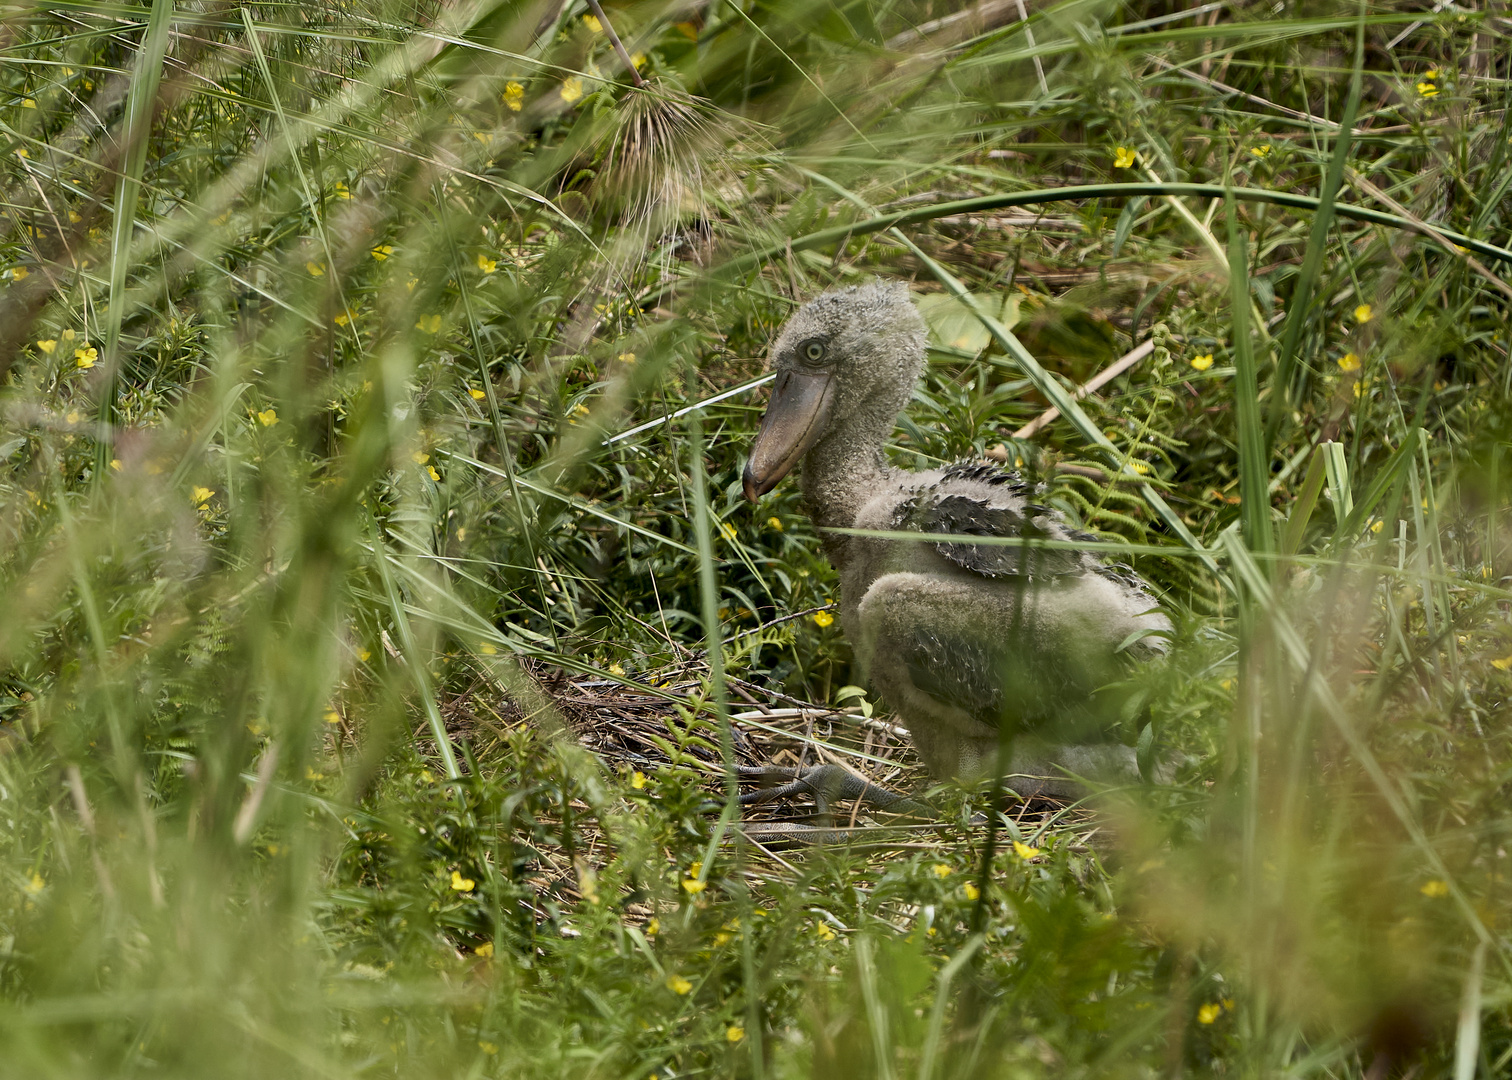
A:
<point x="962" y="634"/>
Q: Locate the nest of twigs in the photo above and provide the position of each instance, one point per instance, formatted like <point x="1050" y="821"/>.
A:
<point x="625" y="722"/>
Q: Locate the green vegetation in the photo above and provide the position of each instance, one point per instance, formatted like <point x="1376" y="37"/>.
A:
<point x="355" y="718"/>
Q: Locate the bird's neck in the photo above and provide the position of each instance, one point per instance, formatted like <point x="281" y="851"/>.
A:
<point x="841" y="473"/>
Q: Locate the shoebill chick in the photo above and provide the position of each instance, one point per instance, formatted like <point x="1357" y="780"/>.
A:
<point x="959" y="637"/>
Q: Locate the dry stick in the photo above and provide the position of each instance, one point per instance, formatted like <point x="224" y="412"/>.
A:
<point x="246" y="816"/>
<point x="1214" y="84"/>
<point x="1428" y="230"/>
<point x="598" y="13"/>
<point x="1039" y="68"/>
<point x="1096" y="383"/>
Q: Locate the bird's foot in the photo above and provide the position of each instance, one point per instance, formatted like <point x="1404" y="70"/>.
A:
<point x="827" y="784"/>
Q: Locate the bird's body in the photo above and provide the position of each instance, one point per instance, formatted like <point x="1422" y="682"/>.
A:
<point x="961" y="638"/>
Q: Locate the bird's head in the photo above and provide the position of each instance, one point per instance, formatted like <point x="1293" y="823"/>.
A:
<point x="848" y="359"/>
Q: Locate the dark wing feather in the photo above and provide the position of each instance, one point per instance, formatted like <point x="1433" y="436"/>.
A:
<point x="985" y="472"/>
<point x="964" y="516"/>
<point x="960" y="673"/>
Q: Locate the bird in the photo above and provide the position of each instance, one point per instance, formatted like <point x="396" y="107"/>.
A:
<point x="966" y="641"/>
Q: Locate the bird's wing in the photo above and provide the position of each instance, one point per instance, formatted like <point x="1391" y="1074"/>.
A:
<point x="964" y="673"/>
<point x="986" y="517"/>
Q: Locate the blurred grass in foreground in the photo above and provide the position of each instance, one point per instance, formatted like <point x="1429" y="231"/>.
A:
<point x="310" y="348"/>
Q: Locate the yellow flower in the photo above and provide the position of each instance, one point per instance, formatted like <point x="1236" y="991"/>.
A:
<point x="572" y="89"/>
<point x="1024" y="851"/>
<point x="692" y="886"/>
<point x="431" y="324"/>
<point x="484" y="950"/>
<point x="775" y="522"/>
<point x="382" y="251"/>
<point x="201" y="496"/>
<point x="314" y="269"/>
<point x="1435" y="889"/>
<point x="592" y="23"/>
<point x="28" y="103"/>
<point x="462" y="884"/>
<point x="653" y="926"/>
<point x="22" y="152"/>
<point x="268" y="417"/>
<point x="1427" y="89"/>
<point x="434" y="475"/>
<point x="486" y="264"/>
<point x="477" y="395"/>
<point x="34" y="884"/>
<point x="86" y="356"/>
<point x="514" y="96"/>
<point x="678" y="985"/>
<point x="1377" y="526"/>
<point x="627" y="358"/>
<point x="47" y="346"/>
<point x="1208" y="1013"/>
<point x="115" y="463"/>
<point x="971" y="891"/>
<point x="68" y="335"/>
<point x="823" y="618"/>
<point x="1363" y="313"/>
<point x="487" y="648"/>
<point x="1203" y="362"/>
<point x="1359" y="387"/>
<point x="342" y="320"/>
<point x="1349" y="362"/>
<point x="332" y="716"/>
<point x="19" y="273"/>
<point x="638" y="780"/>
<point x="411" y="283"/>
<point x="1260" y="151"/>
<point x="734" y="1033"/>
<point x="823" y="932"/>
<point x="1124" y="157"/>
<point x="727" y="530"/>
<point x="486" y="1046"/>
<point x="941" y="870"/>
<point x="1504" y="664"/>
<point x="638" y="59"/>
<point x="341" y="190"/>
<point x="419" y="457"/>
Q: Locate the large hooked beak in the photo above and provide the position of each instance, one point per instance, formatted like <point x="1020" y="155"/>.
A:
<point x="795" y="418"/>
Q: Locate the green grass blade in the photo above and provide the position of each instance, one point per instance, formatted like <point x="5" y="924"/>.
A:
<point x="1254" y="460"/>
<point x="1304" y="504"/>
<point x="1299" y="311"/>
<point x="1081" y="192"/>
<point x="136" y="134"/>
<point x="416" y="663"/>
<point x="1386" y="477"/>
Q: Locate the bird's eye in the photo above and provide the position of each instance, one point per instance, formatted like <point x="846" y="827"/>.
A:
<point x="812" y="350"/>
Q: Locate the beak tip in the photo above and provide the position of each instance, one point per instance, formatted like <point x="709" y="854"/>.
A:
<point x="749" y="485"/>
